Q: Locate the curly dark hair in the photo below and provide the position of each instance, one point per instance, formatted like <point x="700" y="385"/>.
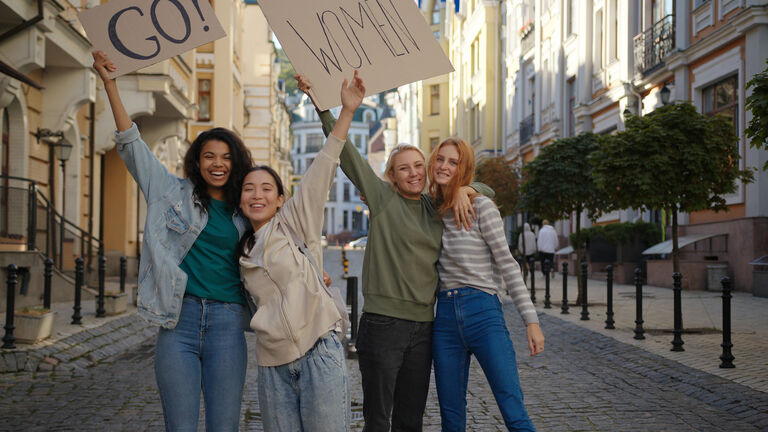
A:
<point x="246" y="241"/>
<point x="241" y="165"/>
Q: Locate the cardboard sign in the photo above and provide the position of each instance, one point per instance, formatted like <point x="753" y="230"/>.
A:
<point x="138" y="33"/>
<point x="388" y="41"/>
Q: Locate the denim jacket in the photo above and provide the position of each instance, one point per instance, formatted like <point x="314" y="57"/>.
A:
<point x="175" y="217"/>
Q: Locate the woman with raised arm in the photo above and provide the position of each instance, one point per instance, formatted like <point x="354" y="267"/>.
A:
<point x="470" y="320"/>
<point x="303" y="383"/>
<point x="394" y="342"/>
<point x="189" y="281"/>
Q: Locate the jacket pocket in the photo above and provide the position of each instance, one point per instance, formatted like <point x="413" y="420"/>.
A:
<point x="174" y="221"/>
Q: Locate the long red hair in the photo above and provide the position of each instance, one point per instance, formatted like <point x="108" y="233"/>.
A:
<point x="446" y="195"/>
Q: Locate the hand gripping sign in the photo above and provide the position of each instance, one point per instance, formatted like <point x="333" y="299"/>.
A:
<point x="139" y="33"/>
<point x="326" y="40"/>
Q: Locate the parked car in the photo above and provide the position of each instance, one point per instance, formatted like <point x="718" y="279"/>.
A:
<point x="359" y="243"/>
<point x="323" y="241"/>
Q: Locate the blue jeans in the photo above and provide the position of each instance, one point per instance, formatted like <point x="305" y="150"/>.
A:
<point x="310" y="393"/>
<point x="205" y="351"/>
<point x="468" y="322"/>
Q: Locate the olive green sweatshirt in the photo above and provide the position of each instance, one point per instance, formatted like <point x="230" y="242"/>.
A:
<point x="399" y="267"/>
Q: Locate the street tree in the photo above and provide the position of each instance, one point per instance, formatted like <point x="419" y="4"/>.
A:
<point x="559" y="182"/>
<point x="757" y="102"/>
<point x="675" y="159"/>
<point x="504" y="178"/>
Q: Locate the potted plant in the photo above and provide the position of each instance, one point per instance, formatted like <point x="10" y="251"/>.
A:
<point x="115" y="302"/>
<point x="33" y="324"/>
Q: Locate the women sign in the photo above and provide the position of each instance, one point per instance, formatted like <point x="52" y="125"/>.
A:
<point x="326" y="40"/>
<point x="139" y="33"/>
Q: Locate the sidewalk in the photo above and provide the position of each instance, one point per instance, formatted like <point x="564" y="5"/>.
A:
<point x="702" y="324"/>
<point x="79" y="346"/>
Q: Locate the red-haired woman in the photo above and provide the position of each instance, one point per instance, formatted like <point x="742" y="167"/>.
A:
<point x="469" y="317"/>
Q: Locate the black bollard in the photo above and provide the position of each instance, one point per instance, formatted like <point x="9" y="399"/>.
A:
<point x="639" y="332"/>
<point x="609" y="322"/>
<point x="564" y="306"/>
<point x="677" y="340"/>
<point x="123" y="271"/>
<point x="76" y="317"/>
<point x="547" y="303"/>
<point x="584" y="296"/>
<point x="9" y="340"/>
<point x="531" y="270"/>
<point x="726" y="358"/>
<point x="100" y="311"/>
<point x="47" y="275"/>
<point x="352" y="288"/>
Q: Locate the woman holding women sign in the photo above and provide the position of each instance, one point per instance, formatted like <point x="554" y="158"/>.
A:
<point x="189" y="281"/>
<point x="394" y="342"/>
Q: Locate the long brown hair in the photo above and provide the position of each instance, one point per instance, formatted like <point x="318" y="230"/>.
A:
<point x="445" y="196"/>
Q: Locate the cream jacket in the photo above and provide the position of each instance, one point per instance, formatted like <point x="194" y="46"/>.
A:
<point x="294" y="310"/>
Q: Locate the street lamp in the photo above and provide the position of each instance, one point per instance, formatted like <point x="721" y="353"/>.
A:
<point x="665" y="94"/>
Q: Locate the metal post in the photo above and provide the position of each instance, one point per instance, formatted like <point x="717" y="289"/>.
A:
<point x="76" y="317"/>
<point x="726" y="358"/>
<point x="639" y="332"/>
<point x="61" y="242"/>
<point x="609" y="322"/>
<point x="100" y="312"/>
<point x="352" y="288"/>
<point x="547" y="303"/>
<point x="564" y="306"/>
<point x="47" y="274"/>
<point x="531" y="267"/>
<point x="344" y="261"/>
<point x="123" y="271"/>
<point x="677" y="340"/>
<point x="584" y="297"/>
<point x="32" y="217"/>
<point x="9" y="339"/>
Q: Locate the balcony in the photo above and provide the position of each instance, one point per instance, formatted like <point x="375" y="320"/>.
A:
<point x="652" y="45"/>
<point x="526" y="129"/>
<point x="527" y="39"/>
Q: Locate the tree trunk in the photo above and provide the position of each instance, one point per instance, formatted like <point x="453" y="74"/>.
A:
<point x="522" y="250"/>
<point x="675" y="248"/>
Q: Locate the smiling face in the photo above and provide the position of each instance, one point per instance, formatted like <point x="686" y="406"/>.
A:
<point x="409" y="173"/>
<point x="215" y="167"/>
<point x="446" y="164"/>
<point x="260" y="198"/>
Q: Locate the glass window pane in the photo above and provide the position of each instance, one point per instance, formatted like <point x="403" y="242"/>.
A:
<point x="708" y="96"/>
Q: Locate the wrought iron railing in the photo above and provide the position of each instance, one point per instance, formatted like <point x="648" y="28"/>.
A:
<point x="29" y="219"/>
<point x="652" y="45"/>
<point x="526" y="129"/>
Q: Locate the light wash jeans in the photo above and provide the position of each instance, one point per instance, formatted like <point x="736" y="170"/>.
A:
<point x="205" y="351"/>
<point x="309" y="394"/>
<point x="470" y="321"/>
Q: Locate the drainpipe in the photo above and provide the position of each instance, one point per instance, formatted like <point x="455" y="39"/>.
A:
<point x="25" y="24"/>
<point x="629" y="88"/>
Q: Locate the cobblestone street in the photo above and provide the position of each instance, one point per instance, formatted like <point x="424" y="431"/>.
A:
<point x="584" y="381"/>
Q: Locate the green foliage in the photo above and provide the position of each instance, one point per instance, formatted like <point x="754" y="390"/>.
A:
<point x="559" y="181"/>
<point x="504" y="178"/>
<point x="617" y="234"/>
<point x="673" y="158"/>
<point x="757" y="102"/>
<point x="287" y="72"/>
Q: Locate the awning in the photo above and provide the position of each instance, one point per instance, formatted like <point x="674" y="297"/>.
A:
<point x="6" y="69"/>
<point x="565" y="251"/>
<point x="665" y="247"/>
<point x="763" y="260"/>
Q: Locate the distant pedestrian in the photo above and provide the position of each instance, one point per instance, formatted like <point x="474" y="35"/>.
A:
<point x="526" y="243"/>
<point x="547" y="243"/>
<point x="303" y="380"/>
<point x="189" y="282"/>
<point x="469" y="317"/>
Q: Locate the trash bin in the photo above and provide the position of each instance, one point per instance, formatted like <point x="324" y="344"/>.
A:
<point x="715" y="273"/>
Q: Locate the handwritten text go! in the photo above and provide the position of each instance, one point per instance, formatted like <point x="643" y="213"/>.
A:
<point x="139" y="33"/>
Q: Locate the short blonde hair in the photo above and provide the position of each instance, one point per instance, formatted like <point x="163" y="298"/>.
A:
<point x="389" y="170"/>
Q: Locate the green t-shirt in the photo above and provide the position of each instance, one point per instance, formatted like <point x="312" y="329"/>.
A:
<point x="211" y="268"/>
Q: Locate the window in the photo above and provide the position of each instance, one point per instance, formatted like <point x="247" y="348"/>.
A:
<point x="613" y="31"/>
<point x="368" y="117"/>
<point x="436" y="14"/>
<point x="475" y="56"/>
<point x="358" y="141"/>
<point x="474" y="118"/>
<point x="723" y="98"/>
<point x="204" y="99"/>
<point x="332" y="194"/>
<point x="697" y="3"/>
<point x="314" y="143"/>
<point x="597" y="58"/>
<point x="434" y="99"/>
<point x="570" y="95"/>
<point x="345" y="222"/>
<point x="433" y="143"/>
<point x="357" y="221"/>
<point x="346" y="192"/>
<point x="436" y="34"/>
<point x="569" y="18"/>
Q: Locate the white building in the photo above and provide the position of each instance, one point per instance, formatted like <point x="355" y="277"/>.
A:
<point x="345" y="212"/>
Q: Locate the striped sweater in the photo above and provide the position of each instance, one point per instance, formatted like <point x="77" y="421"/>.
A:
<point x="470" y="258"/>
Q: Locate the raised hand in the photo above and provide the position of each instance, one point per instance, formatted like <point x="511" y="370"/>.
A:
<point x="305" y="86"/>
<point x="103" y="65"/>
<point x="352" y="94"/>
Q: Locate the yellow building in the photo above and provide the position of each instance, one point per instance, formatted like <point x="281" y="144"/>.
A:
<point x="433" y="92"/>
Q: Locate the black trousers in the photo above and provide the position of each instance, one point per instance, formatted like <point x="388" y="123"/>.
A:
<point x="543" y="256"/>
<point x="395" y="358"/>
